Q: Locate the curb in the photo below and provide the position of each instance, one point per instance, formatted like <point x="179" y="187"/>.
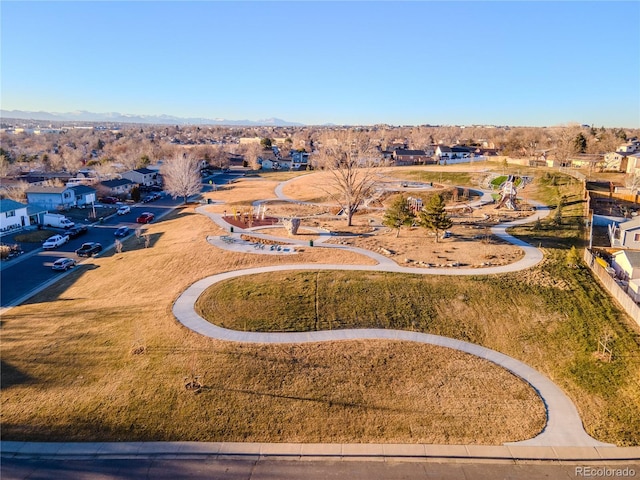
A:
<point x="320" y="451"/>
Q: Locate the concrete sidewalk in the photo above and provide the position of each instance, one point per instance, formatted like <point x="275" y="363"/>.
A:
<point x="319" y="451"/>
<point x="564" y="426"/>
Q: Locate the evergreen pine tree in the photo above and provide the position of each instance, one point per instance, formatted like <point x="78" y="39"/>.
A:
<point x="398" y="214"/>
<point x="434" y="217"/>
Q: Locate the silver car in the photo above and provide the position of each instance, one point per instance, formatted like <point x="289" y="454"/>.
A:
<point x="63" y="264"/>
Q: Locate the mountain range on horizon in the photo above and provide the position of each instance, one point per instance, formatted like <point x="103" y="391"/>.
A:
<point x="116" y="117"/>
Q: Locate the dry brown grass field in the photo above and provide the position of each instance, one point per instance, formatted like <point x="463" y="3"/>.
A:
<point x="99" y="356"/>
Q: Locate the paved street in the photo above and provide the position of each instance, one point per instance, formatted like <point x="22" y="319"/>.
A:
<point x="249" y="469"/>
<point x="27" y="274"/>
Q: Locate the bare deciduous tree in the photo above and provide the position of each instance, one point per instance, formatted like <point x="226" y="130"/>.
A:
<point x="17" y="192"/>
<point x="252" y="152"/>
<point x="182" y="176"/>
<point x="350" y="158"/>
<point x="564" y="145"/>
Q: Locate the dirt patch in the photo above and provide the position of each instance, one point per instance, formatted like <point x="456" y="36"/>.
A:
<point x="465" y="247"/>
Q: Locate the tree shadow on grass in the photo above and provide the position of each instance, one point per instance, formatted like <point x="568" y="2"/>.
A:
<point x="326" y="401"/>
<point x="10" y="376"/>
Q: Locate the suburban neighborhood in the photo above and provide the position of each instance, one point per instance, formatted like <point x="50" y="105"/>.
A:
<point x="352" y="240"/>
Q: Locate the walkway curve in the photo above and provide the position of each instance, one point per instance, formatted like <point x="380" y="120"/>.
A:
<point x="563" y="427"/>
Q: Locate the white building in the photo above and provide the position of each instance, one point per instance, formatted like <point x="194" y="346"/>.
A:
<point x="12" y="215"/>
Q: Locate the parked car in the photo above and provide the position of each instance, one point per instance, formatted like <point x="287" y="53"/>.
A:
<point x="122" y="232"/>
<point x="89" y="249"/>
<point x="109" y="200"/>
<point x="145" y="217"/>
<point x="63" y="264"/>
<point x="148" y="198"/>
<point x="77" y="231"/>
<point x="123" y="210"/>
<point x="55" y="241"/>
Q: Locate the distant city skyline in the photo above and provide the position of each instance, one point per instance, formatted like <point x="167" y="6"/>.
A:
<point x="314" y="63"/>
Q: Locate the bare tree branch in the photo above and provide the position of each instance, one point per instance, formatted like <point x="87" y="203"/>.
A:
<point x="182" y="176"/>
<point x="350" y="158"/>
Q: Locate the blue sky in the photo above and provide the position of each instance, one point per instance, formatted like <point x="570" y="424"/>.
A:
<point x="401" y="63"/>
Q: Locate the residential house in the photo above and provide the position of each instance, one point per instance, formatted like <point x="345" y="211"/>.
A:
<point x="626" y="264"/>
<point x="446" y="155"/>
<point x="84" y="195"/>
<point x="13" y="214"/>
<point x="270" y="164"/>
<point x="587" y="161"/>
<point x="40" y="178"/>
<point x="403" y="156"/>
<point x="626" y="234"/>
<point x="270" y="161"/>
<point x="485" y="152"/>
<point x="51" y="198"/>
<point x="117" y="187"/>
<point x="299" y="160"/>
<point x="142" y="176"/>
<point x="633" y="164"/>
<point x="631" y="147"/>
<point x="615" y="162"/>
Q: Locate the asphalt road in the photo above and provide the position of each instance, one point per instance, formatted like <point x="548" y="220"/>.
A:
<point x="31" y="271"/>
<point x="267" y="469"/>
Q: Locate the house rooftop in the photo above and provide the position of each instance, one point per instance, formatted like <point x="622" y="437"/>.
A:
<point x="40" y="189"/>
<point x="630" y="224"/>
<point x="116" y="182"/>
<point x="632" y="255"/>
<point x="8" y="205"/>
<point x="402" y="151"/>
<point x="145" y="171"/>
<point x="80" y="189"/>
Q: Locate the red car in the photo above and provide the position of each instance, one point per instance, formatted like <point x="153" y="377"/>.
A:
<point x="145" y="217"/>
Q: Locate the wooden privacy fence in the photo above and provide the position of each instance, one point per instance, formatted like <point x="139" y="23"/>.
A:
<point x="612" y="286"/>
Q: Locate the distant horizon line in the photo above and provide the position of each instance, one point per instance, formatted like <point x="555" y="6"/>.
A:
<point x="166" y="119"/>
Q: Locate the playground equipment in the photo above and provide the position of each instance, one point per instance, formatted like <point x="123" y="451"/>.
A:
<point x="509" y="194"/>
<point x="414" y="204"/>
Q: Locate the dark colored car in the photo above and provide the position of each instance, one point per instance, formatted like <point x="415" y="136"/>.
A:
<point x="122" y="232"/>
<point x="63" y="264"/>
<point x="146" y="217"/>
<point x="89" y="249"/>
<point x="109" y="200"/>
<point x="77" y="231"/>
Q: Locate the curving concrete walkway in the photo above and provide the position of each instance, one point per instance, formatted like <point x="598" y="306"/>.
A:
<point x="564" y="426"/>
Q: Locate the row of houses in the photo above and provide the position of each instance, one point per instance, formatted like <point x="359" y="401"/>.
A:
<point x="626" y="159"/>
<point x="45" y="198"/>
<point x="432" y="155"/>
<point x="437" y="154"/>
